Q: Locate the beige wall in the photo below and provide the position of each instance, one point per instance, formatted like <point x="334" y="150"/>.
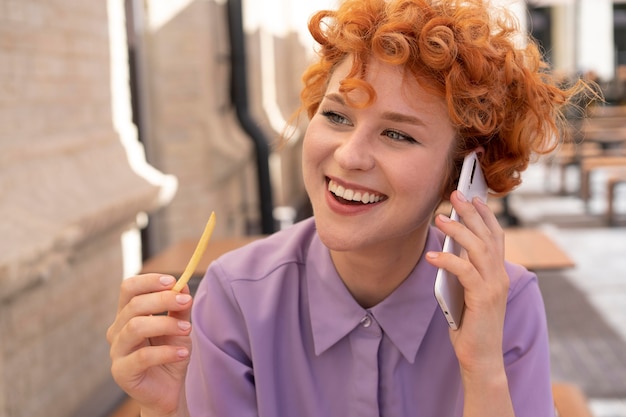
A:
<point x="73" y="176"/>
<point x="72" y="180"/>
<point x="191" y="129"/>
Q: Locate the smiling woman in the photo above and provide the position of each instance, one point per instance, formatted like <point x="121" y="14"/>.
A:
<point x="336" y="316"/>
<point x="364" y="150"/>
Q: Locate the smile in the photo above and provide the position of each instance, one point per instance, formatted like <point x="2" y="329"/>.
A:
<point x="350" y="195"/>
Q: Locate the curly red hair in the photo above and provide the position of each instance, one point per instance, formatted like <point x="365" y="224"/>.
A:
<point x="498" y="95"/>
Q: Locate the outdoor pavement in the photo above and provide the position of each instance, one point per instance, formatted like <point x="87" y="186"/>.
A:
<point x="585" y="305"/>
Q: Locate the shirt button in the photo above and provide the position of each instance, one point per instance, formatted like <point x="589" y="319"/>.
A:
<point x="366" y="321"/>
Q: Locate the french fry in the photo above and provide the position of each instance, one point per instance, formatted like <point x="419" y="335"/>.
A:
<point x="197" y="254"/>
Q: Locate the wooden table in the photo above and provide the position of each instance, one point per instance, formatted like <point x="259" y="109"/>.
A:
<point x="607" y="135"/>
<point x="174" y="259"/>
<point x="526" y="246"/>
<point x="534" y="249"/>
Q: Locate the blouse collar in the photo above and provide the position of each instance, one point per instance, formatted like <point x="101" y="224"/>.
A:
<point x="404" y="315"/>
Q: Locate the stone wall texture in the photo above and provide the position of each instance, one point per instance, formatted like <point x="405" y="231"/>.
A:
<point x="77" y="174"/>
<point x="72" y="181"/>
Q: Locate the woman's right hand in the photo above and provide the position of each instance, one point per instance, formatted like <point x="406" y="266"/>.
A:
<point x="150" y="350"/>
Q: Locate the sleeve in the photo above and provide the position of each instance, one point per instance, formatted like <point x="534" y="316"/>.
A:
<point x="220" y="379"/>
<point x="526" y="349"/>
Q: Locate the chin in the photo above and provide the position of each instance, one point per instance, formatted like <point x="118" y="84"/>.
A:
<point x="339" y="238"/>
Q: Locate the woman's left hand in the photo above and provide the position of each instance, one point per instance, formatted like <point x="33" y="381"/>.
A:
<point x="478" y="341"/>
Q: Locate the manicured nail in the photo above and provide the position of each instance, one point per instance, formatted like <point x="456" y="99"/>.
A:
<point x="432" y="255"/>
<point x="444" y="218"/>
<point x="479" y="201"/>
<point x="183" y="298"/>
<point x="461" y="196"/>
<point x="182" y="353"/>
<point x="184" y="325"/>
<point x="167" y="280"/>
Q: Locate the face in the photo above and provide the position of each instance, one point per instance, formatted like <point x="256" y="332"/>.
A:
<point x="374" y="174"/>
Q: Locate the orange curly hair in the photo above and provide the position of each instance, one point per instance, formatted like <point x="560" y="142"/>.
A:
<point x="498" y="95"/>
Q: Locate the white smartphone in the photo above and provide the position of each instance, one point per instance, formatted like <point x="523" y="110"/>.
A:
<point x="448" y="290"/>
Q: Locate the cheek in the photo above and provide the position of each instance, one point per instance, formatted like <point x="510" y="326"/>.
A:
<point x="307" y="152"/>
<point x="311" y="158"/>
<point x="313" y="147"/>
<point x="423" y="180"/>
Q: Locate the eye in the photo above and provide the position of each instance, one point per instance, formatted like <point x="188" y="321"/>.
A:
<point x="335" y="118"/>
<point x="398" y="136"/>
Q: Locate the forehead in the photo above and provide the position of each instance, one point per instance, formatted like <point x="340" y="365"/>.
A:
<point x="391" y="84"/>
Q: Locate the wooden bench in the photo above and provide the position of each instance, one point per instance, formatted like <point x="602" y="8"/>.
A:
<point x="608" y="132"/>
<point x="590" y="164"/>
<point x="534" y="249"/>
<point x="569" y="155"/>
<point x="174" y="258"/>
<point x="570" y="401"/>
<point x="128" y="408"/>
<point x="617" y="177"/>
<point x="529" y="247"/>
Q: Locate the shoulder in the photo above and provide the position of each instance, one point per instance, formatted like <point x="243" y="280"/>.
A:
<point x="525" y="319"/>
<point x="525" y="301"/>
<point x="522" y="280"/>
<point x="263" y="257"/>
<point x="270" y="269"/>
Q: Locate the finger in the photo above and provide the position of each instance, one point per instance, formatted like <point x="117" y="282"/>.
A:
<point x="496" y="231"/>
<point x="460" y="233"/>
<point x="159" y="302"/>
<point x="139" y="329"/>
<point x="478" y="290"/>
<point x="486" y="214"/>
<point x="185" y="313"/>
<point x="130" y="368"/>
<point x="469" y="214"/>
<point x="143" y="284"/>
<point x="464" y="270"/>
<point x="156" y="303"/>
<point x="485" y="233"/>
<point x="151" y="304"/>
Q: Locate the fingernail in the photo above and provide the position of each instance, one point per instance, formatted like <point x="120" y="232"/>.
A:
<point x="184" y="325"/>
<point x="461" y="196"/>
<point x="183" y="298"/>
<point x="432" y="255"/>
<point x="167" y="280"/>
<point x="479" y="201"/>
<point x="182" y="352"/>
<point x="444" y="218"/>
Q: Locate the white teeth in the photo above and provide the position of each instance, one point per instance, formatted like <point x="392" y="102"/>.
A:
<point x="352" y="195"/>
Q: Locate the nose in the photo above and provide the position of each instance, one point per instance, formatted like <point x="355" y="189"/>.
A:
<point x="355" y="151"/>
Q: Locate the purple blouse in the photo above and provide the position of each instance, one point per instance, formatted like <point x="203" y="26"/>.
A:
<point x="277" y="334"/>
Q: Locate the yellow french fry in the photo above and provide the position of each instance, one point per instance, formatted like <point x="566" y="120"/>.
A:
<point x="197" y="254"/>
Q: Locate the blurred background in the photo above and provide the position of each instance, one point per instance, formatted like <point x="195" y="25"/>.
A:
<point x="124" y="123"/>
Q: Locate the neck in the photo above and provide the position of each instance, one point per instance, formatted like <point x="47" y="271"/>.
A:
<point x="372" y="274"/>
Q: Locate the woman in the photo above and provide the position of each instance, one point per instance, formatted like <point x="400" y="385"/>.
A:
<point x="336" y="316"/>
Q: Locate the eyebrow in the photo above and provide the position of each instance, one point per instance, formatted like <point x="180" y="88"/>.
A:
<point x="388" y="115"/>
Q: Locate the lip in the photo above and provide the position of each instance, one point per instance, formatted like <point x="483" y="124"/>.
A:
<point x="350" y="209"/>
